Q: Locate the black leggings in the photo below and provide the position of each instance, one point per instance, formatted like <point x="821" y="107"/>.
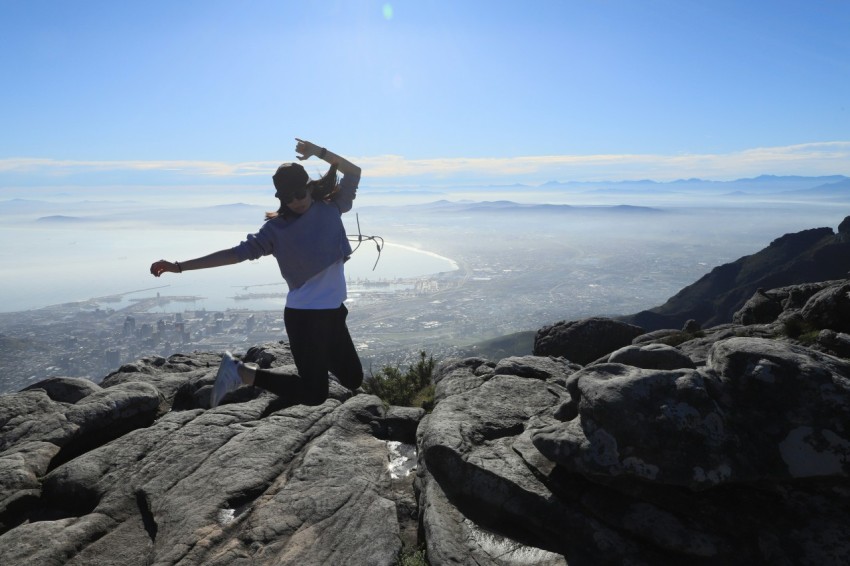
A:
<point x="320" y="342"/>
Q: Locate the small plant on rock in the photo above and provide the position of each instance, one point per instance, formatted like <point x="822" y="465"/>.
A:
<point x="412" y="557"/>
<point x="411" y="388"/>
<point x="797" y="328"/>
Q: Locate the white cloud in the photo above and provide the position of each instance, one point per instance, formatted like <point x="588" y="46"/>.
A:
<point x="824" y="158"/>
<point x="69" y="167"/>
<point x="805" y="159"/>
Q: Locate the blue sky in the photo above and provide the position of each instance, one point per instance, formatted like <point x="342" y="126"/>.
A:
<point x="421" y="92"/>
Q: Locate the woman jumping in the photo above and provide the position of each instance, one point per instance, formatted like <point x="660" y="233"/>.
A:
<point x="307" y="238"/>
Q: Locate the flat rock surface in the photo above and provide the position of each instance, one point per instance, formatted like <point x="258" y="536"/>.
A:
<point x="250" y="482"/>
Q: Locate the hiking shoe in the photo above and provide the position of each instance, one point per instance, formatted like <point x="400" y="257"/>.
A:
<point x="226" y="380"/>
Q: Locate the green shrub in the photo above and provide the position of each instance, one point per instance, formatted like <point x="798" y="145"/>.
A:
<point x="411" y="388"/>
<point x="796" y="327"/>
<point x="412" y="557"/>
<point x="809" y="337"/>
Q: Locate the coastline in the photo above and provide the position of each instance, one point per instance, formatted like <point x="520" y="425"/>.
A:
<point x="229" y="288"/>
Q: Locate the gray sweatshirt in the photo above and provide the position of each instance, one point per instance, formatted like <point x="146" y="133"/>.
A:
<point x="308" y="244"/>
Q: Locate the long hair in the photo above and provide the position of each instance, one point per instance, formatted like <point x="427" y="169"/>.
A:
<point x="324" y="189"/>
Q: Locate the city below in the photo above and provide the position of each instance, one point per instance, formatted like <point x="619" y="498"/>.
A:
<point x="390" y="321"/>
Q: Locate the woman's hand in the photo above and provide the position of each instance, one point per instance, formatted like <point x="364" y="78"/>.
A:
<point x="309" y="149"/>
<point x="306" y="149"/>
<point x="162" y="266"/>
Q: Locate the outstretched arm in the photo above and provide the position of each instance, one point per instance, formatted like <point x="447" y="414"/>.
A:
<point x="308" y="149"/>
<point x="215" y="259"/>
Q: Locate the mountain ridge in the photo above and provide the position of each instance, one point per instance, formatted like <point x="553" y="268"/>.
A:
<point x="816" y="254"/>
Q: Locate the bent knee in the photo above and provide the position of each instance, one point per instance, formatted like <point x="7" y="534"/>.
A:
<point x="352" y="380"/>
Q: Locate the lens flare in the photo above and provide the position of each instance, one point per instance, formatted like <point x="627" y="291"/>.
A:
<point x="388" y="11"/>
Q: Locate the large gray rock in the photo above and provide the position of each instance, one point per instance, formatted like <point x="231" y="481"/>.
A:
<point x="480" y="500"/>
<point x="229" y="486"/>
<point x="251" y="482"/>
<point x="536" y="367"/>
<point x="37" y="433"/>
<point x="656" y="425"/>
<point x="584" y="341"/>
<point x="183" y="380"/>
<point x="21" y="469"/>
<point x="766" y="306"/>
<point x="829" y="308"/>
<point x="836" y="342"/>
<point x="657" y="336"/>
<point x="66" y="389"/>
<point x="761" y="308"/>
<point x="459" y="376"/>
<point x="651" y="356"/>
<point x="790" y="407"/>
<point x="760" y="410"/>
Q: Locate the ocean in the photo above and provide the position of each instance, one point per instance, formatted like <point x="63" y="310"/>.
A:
<point x="108" y="267"/>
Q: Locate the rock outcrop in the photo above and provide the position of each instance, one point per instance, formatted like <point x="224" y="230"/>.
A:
<point x="583" y="341"/>
<point x="726" y="445"/>
<point x="113" y="478"/>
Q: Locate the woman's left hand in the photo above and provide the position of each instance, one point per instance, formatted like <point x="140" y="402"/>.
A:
<point x="162" y="266"/>
<point x="306" y="149"/>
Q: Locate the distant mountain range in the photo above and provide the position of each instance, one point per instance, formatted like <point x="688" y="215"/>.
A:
<point x="506" y="206"/>
<point x="62" y="219"/>
<point x="829" y="188"/>
<point x="764" y="186"/>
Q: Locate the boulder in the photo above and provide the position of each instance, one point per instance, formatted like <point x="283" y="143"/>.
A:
<point x="836" y="343"/>
<point x="456" y="376"/>
<point x="657" y="336"/>
<point x="844" y="230"/>
<point x="183" y="380"/>
<point x="653" y="469"/>
<point x="663" y="426"/>
<point x="37" y="433"/>
<point x="651" y="356"/>
<point x="760" y="410"/>
<point x="66" y="389"/>
<point x="761" y="308"/>
<point x="586" y="340"/>
<point x="536" y="367"/>
<point x="480" y="501"/>
<point x="21" y="469"/>
<point x="829" y="308"/>
<point x="789" y="405"/>
<point x="765" y="307"/>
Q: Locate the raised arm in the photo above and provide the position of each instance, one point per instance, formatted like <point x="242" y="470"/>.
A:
<point x="215" y="259"/>
<point x="308" y="149"/>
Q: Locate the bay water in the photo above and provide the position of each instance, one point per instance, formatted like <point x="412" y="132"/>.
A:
<point x="108" y="267"/>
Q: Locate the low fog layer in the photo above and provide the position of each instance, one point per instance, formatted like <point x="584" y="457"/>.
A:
<point x="639" y="241"/>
